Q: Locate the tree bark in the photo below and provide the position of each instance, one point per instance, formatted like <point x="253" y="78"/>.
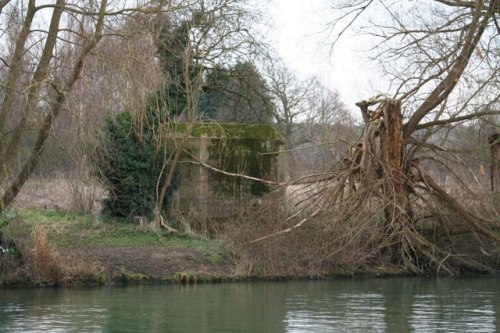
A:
<point x="494" y="141"/>
<point x="397" y="208"/>
<point x="39" y="76"/>
<point x="14" y="74"/>
<point x="392" y="151"/>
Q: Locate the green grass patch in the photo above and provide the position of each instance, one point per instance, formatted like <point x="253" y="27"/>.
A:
<point x="66" y="230"/>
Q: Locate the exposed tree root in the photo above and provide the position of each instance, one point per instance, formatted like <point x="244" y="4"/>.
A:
<point x="380" y="180"/>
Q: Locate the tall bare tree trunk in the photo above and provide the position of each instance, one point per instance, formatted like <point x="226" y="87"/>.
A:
<point x="41" y="73"/>
<point x="494" y="141"/>
<point x="392" y="154"/>
<point x="397" y="208"/>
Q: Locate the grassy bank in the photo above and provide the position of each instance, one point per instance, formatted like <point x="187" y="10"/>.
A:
<point x="58" y="248"/>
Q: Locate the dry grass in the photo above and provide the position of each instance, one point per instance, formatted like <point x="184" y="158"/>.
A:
<point x="38" y="263"/>
<point x="320" y="247"/>
<point x="355" y="236"/>
<point x="45" y="266"/>
<point x="61" y="193"/>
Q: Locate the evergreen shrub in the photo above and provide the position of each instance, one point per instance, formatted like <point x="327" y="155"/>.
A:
<point x="129" y="166"/>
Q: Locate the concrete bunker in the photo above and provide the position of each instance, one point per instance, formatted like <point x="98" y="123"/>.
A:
<point x="250" y="150"/>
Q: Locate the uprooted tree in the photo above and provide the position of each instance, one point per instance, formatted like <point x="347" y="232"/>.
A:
<point x="384" y="202"/>
<point x="384" y="167"/>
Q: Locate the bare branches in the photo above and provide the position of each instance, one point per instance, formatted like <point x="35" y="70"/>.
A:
<point x="353" y="13"/>
<point x="28" y="167"/>
<point x="3" y="3"/>
<point x="287" y="230"/>
<point x="467" y="4"/>
<point x="232" y="174"/>
<point x="442" y="58"/>
<point x="457" y="119"/>
<point x="43" y="60"/>
<point x="15" y="69"/>
<point x="383" y="191"/>
<point x="458" y="208"/>
<point x="40" y="74"/>
<point x="445" y="87"/>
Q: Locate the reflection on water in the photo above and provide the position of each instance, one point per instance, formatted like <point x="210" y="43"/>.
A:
<point x="347" y="312"/>
<point x="368" y="305"/>
<point x="474" y="313"/>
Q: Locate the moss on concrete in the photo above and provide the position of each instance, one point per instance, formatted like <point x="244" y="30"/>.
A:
<point x="250" y="150"/>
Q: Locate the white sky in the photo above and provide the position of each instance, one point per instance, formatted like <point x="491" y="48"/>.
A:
<point x="301" y="37"/>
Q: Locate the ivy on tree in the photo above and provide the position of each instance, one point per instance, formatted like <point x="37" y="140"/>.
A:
<point x="131" y="167"/>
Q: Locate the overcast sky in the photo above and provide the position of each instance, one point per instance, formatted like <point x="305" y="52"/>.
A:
<point x="301" y="37"/>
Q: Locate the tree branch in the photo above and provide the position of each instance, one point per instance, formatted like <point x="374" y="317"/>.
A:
<point x="239" y="175"/>
<point x="14" y="75"/>
<point x="466" y="4"/>
<point x="456" y="119"/>
<point x="287" y="230"/>
<point x="3" y="3"/>
<point x="445" y="87"/>
<point x="29" y="166"/>
<point x="470" y="219"/>
<point x="39" y="76"/>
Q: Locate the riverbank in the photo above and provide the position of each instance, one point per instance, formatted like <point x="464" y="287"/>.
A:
<point x="58" y="248"/>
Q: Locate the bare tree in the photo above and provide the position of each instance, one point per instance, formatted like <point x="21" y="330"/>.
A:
<point x="289" y="94"/>
<point x="41" y="96"/>
<point x="48" y="44"/>
<point x="442" y="59"/>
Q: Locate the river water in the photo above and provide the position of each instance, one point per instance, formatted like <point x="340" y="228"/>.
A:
<point x="344" y="305"/>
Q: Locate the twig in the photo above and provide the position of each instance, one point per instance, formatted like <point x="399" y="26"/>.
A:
<point x="232" y="174"/>
<point x="285" y="231"/>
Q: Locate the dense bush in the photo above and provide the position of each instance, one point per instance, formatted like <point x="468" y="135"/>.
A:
<point x="129" y="165"/>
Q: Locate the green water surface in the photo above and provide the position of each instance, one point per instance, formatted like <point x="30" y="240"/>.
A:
<point x="359" y="305"/>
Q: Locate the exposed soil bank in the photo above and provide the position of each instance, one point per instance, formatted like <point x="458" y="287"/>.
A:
<point x="146" y="265"/>
<point x="157" y="263"/>
<point x="97" y="265"/>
